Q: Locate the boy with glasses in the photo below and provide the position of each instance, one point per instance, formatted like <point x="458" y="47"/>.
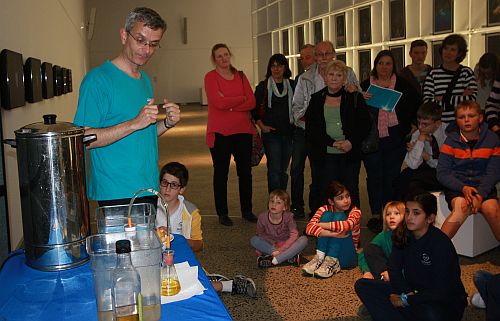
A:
<point x="185" y="219"/>
<point x="422" y="153"/>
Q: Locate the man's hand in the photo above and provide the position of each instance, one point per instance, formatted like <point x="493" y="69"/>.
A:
<point x="385" y="276"/>
<point x="146" y="117"/>
<point x="172" y="111"/>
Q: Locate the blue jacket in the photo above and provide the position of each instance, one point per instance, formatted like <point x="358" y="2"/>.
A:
<point x="460" y="166"/>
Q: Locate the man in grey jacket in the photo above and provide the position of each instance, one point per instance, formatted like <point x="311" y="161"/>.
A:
<point x="310" y="82"/>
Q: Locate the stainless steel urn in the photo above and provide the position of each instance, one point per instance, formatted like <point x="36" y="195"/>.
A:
<point x="51" y="165"/>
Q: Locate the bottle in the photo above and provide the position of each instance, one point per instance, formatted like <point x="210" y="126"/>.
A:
<point x="169" y="281"/>
<point x="126" y="285"/>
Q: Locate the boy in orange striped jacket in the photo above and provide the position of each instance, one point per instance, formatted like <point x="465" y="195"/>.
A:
<point x="469" y="168"/>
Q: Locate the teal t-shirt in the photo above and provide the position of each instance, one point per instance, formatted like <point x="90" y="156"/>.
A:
<point x="333" y="127"/>
<point x="108" y="97"/>
<point x="382" y="240"/>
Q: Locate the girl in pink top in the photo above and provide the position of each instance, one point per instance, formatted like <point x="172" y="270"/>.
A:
<point x="229" y="131"/>
<point x="277" y="238"/>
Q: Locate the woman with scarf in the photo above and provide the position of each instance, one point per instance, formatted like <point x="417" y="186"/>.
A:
<point x="337" y="121"/>
<point x="384" y="165"/>
<point x="273" y="115"/>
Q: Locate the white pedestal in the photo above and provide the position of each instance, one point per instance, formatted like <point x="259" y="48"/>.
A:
<point x="474" y="236"/>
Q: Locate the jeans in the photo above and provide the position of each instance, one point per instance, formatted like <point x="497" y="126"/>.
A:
<point x="488" y="285"/>
<point x="278" y="149"/>
<point x="299" y="155"/>
<point x="240" y="146"/>
<point x="340" y="248"/>
<point x="375" y="296"/>
<point x="337" y="167"/>
<point x="481" y="278"/>
<point x="382" y="168"/>
<point x="267" y="248"/>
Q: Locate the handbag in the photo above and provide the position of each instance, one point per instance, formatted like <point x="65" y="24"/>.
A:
<point x="370" y="143"/>
<point x="257" y="148"/>
<point x="257" y="144"/>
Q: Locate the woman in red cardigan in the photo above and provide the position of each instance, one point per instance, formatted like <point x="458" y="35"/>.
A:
<point x="229" y="131"/>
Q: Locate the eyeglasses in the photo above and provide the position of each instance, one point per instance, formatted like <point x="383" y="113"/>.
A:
<point x="143" y="43"/>
<point x="324" y="54"/>
<point x="173" y="185"/>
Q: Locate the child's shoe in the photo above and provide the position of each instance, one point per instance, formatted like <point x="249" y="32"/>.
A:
<point x="329" y="267"/>
<point x="295" y="261"/>
<point x="478" y="301"/>
<point x="244" y="285"/>
<point x="265" y="261"/>
<point x="214" y="277"/>
<point x="311" y="266"/>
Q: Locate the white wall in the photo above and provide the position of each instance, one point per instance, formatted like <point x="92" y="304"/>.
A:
<point x="51" y="31"/>
<point x="177" y="69"/>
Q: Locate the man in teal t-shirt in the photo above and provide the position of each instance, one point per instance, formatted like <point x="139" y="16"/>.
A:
<point x="116" y="103"/>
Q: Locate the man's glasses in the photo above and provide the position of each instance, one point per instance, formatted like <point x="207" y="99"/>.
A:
<point x="144" y="43"/>
<point x="173" y="185"/>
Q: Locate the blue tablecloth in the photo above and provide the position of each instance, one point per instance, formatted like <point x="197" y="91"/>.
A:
<point x="29" y="294"/>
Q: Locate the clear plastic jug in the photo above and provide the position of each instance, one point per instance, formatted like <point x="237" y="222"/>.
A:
<point x="101" y="248"/>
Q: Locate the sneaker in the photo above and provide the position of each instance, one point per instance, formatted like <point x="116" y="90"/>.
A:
<point x="295" y="261"/>
<point x="265" y="261"/>
<point x="311" y="266"/>
<point x="478" y="301"/>
<point x="244" y="285"/>
<point x="214" y="277"/>
<point x="249" y="217"/>
<point x="329" y="267"/>
<point x="375" y="224"/>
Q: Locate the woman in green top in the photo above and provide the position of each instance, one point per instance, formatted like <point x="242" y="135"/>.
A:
<point x="337" y="121"/>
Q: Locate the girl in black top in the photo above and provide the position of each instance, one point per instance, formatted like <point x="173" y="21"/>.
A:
<point x="424" y="272"/>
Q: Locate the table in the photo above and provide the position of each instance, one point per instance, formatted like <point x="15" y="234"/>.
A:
<point x="29" y="294"/>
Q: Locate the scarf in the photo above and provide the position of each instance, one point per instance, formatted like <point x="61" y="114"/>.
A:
<point x="386" y="119"/>
<point x="287" y="88"/>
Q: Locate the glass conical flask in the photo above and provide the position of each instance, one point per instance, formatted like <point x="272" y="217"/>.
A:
<point x="169" y="281"/>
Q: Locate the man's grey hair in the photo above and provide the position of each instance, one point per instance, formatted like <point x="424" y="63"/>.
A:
<point x="149" y="17"/>
<point x="306" y="46"/>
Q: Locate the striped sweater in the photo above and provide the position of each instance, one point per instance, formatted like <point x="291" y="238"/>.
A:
<point x="437" y="82"/>
<point x="492" y="109"/>
<point x="352" y="223"/>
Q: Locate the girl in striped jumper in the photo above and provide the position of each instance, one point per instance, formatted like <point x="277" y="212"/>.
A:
<point x="338" y="234"/>
<point x="439" y="80"/>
